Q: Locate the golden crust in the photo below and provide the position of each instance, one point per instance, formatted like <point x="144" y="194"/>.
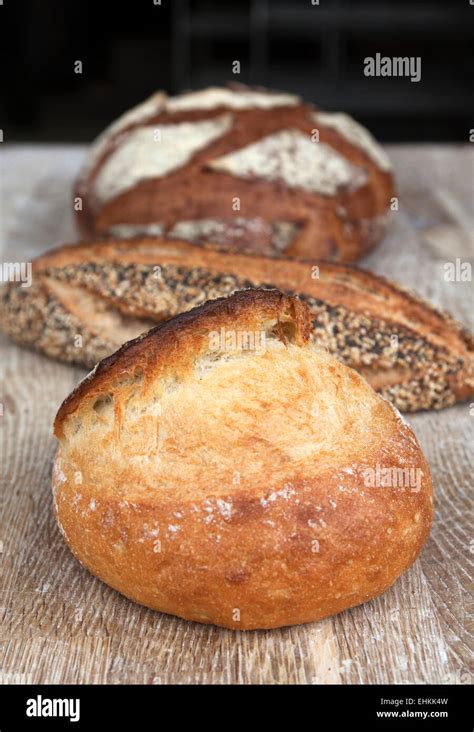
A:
<point x="235" y="485"/>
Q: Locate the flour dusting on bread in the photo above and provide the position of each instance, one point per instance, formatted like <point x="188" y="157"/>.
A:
<point x="230" y="98"/>
<point x="293" y="158"/>
<point x="155" y="151"/>
<point x="356" y="135"/>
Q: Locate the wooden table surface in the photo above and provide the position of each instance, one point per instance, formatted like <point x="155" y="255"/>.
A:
<point x="61" y="625"/>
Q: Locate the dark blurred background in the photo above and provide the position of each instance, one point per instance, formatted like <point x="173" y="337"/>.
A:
<point x="130" y="49"/>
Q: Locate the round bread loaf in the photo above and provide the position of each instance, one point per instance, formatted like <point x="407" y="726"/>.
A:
<point x="223" y="469"/>
<point x="249" y="169"/>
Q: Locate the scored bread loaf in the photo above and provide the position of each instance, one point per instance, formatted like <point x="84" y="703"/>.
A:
<point x="86" y="300"/>
<point x="221" y="469"/>
<point x="247" y="168"/>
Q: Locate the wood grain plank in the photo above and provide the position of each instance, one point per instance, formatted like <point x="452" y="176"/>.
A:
<point x="48" y="661"/>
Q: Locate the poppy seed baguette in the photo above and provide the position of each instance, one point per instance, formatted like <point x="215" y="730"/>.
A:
<point x="234" y="485"/>
<point x="86" y="300"/>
